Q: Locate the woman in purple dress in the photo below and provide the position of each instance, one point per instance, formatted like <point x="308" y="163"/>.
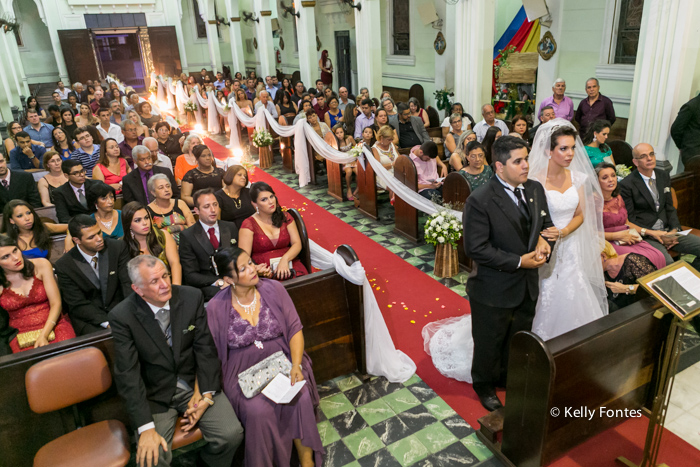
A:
<point x="250" y="320"/>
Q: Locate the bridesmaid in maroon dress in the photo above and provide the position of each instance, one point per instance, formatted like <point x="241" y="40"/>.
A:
<point x="30" y="296"/>
<point x="271" y="234"/>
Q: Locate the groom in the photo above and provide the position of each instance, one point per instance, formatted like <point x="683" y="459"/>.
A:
<point x="502" y="224"/>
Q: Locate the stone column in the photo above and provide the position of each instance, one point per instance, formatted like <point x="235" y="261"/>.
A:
<point x="235" y="37"/>
<point x="173" y="13"/>
<point x="263" y="32"/>
<point x="306" y="31"/>
<point x="206" y="10"/>
<point x="13" y="56"/>
<point x="474" y="54"/>
<point x="51" y="15"/>
<point x="7" y="96"/>
<point x="369" y="47"/>
<point x="669" y="42"/>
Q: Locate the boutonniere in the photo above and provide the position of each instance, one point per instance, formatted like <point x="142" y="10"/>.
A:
<point x="190" y="328"/>
<point x="531" y="200"/>
<point x="111" y="273"/>
<point x="543" y="213"/>
<point x="233" y="241"/>
<point x="667" y="190"/>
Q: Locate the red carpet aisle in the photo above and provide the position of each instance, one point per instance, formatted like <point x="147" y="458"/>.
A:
<point x="409" y="300"/>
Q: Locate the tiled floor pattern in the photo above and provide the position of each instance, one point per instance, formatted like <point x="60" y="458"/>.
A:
<point x="683" y="415"/>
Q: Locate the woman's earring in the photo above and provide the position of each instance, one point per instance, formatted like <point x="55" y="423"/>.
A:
<point x="257" y="209"/>
<point x="132" y="234"/>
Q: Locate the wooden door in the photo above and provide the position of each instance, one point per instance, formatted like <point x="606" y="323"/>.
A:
<point x="166" y="55"/>
<point x="79" y="54"/>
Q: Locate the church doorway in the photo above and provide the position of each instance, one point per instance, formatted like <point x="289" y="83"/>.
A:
<point x="119" y="54"/>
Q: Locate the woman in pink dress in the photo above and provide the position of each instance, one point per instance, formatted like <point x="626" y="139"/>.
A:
<point x="111" y="167"/>
<point x="30" y="296"/>
<point x="270" y="235"/>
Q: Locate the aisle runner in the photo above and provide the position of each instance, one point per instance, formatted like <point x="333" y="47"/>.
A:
<point x="409" y="299"/>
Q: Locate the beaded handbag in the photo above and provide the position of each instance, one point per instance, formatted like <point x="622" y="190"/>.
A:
<point x="254" y="379"/>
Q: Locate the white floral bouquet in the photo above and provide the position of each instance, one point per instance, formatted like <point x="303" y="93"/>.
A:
<point x="262" y="138"/>
<point x="356" y="150"/>
<point x="443" y="228"/>
<point x="190" y="106"/>
<point x="622" y="170"/>
<point x="153" y="89"/>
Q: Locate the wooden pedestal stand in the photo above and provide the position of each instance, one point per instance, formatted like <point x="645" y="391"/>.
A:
<point x="446" y="261"/>
<point x="265" y="153"/>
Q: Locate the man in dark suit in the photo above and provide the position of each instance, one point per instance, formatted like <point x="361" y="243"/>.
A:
<point x="135" y="183"/>
<point x="649" y="204"/>
<point x="685" y="130"/>
<point x="70" y="198"/>
<point x="199" y="243"/>
<point x="502" y="224"/>
<point x="17" y="185"/>
<point x="163" y="347"/>
<point x="410" y="130"/>
<point x="92" y="275"/>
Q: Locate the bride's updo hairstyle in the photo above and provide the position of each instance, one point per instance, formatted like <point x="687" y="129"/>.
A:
<point x="561" y="131"/>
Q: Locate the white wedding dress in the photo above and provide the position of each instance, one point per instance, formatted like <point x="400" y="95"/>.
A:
<point x="566" y="301"/>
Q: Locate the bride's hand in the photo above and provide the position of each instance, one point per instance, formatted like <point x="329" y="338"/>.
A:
<point x="552" y="233"/>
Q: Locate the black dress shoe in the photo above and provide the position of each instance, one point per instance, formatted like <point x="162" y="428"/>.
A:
<point x="490" y="402"/>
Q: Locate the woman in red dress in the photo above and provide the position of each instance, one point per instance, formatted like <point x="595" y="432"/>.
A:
<point x="271" y="234"/>
<point x="30" y="296"/>
<point x="326" y="67"/>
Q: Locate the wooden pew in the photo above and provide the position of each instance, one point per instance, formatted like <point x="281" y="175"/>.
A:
<point x="406" y="216"/>
<point x="286" y="150"/>
<point x="455" y="191"/>
<point x="688" y="197"/>
<point x="335" y="177"/>
<point x="367" y="191"/>
<point x="612" y="362"/>
<point x="305" y="254"/>
<point x="331" y="310"/>
<point x="312" y="162"/>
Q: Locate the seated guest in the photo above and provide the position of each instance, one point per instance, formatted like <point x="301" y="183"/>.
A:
<point x="381" y="118"/>
<point x="141" y="129"/>
<point x="467" y="120"/>
<point x="458" y="159"/>
<point x="594" y="142"/>
<point x="98" y="100"/>
<point x="186" y="161"/>
<point x="418" y="111"/>
<point x="133" y="101"/>
<point x="100" y="199"/>
<point x="62" y="90"/>
<point x="546" y="114"/>
<point x="31" y="297"/>
<point x="68" y="122"/>
<point x="270" y="236"/>
<point x="21" y="223"/>
<point x="334" y="115"/>
<point x="286" y="109"/>
<point x="648" y="199"/>
<point x="562" y="105"/>
<point x="10" y="143"/>
<point x="266" y="103"/>
<point x="369" y="138"/>
<point x="364" y="119"/>
<point x="452" y="137"/>
<point x="520" y="128"/>
<point x="37" y="130"/>
<point x="146" y="113"/>
<point x="134" y="184"/>
<point x="158" y="385"/>
<point x="425" y="158"/>
<point x="303" y="110"/>
<point x="349" y="114"/>
<point x="17" y="185"/>
<point x="487" y="122"/>
<point x="169" y="214"/>
<point x="70" y="198"/>
<point x="385" y="151"/>
<point x="344" y="99"/>
<point x="169" y="140"/>
<point x="92" y="275"/>
<point x="388" y="104"/>
<point x="131" y="140"/>
<point x="85" y="117"/>
<point x="33" y="104"/>
<point x="475" y="171"/>
<point x="117" y="116"/>
<point x="594" y="107"/>
<point x="205" y="175"/>
<point x="199" y="243"/>
<point x="72" y="104"/>
<point x="234" y="197"/>
<point x="54" y="116"/>
<point x="26" y="155"/>
<point x="319" y="127"/>
<point x="320" y="107"/>
<point x="492" y="134"/>
<point x="53" y="179"/>
<point x="142" y="237"/>
<point x="242" y="101"/>
<point x="88" y="153"/>
<point x="157" y="157"/>
<point x="106" y="128"/>
<point x="619" y="230"/>
<point x="346" y="142"/>
<point x="112" y="167"/>
<point x="63" y="143"/>
<point x="621" y="274"/>
<point x="249" y="321"/>
<point x="410" y="130"/>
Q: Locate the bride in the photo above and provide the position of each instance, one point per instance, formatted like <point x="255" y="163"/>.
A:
<point x="572" y="287"/>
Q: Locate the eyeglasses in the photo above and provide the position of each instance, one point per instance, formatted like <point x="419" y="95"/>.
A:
<point x="82" y="172"/>
<point x="651" y="155"/>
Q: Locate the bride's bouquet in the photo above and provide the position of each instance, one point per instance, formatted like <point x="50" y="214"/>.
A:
<point x="443" y="228"/>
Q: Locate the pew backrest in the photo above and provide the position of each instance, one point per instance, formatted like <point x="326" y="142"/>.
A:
<point x="622" y="152"/>
<point x="456" y="190"/>
<point x="405" y="172"/>
<point x="305" y="253"/>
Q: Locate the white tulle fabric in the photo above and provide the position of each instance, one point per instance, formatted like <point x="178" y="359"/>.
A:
<point x="383" y="359"/>
<point x="449" y="343"/>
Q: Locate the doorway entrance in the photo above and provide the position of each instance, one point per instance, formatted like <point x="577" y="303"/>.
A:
<point x="342" y="54"/>
<point x="120" y="55"/>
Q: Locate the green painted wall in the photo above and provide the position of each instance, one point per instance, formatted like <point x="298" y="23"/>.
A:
<point x="197" y="50"/>
<point x="37" y="54"/>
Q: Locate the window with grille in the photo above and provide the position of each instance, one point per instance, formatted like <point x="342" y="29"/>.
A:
<point x="401" y="27"/>
<point x="201" y="24"/>
<point x="628" y="27"/>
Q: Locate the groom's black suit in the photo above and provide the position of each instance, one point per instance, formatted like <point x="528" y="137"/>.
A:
<point x="502" y="296"/>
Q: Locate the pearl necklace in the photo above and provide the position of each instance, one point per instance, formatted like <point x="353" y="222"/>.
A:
<point x="250" y="308"/>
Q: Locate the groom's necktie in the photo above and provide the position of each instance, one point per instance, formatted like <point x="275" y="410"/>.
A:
<point x="525" y="218"/>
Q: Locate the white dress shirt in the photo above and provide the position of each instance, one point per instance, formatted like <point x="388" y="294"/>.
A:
<point x="114" y="131"/>
<point x="63" y="94"/>
<point x="482" y="127"/>
<point x="164" y="161"/>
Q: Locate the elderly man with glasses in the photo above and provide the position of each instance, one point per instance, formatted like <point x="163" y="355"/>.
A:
<point x="488" y="121"/>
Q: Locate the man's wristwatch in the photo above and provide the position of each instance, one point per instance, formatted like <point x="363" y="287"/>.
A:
<point x="630" y="289"/>
<point x="644" y="232"/>
<point x="219" y="282"/>
<point x="208" y="400"/>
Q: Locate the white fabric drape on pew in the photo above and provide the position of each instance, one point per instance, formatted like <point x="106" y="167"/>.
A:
<point x="383" y="359"/>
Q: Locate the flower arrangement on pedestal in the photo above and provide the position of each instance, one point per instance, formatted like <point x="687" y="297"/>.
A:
<point x="262" y="139"/>
<point x="444" y="231"/>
